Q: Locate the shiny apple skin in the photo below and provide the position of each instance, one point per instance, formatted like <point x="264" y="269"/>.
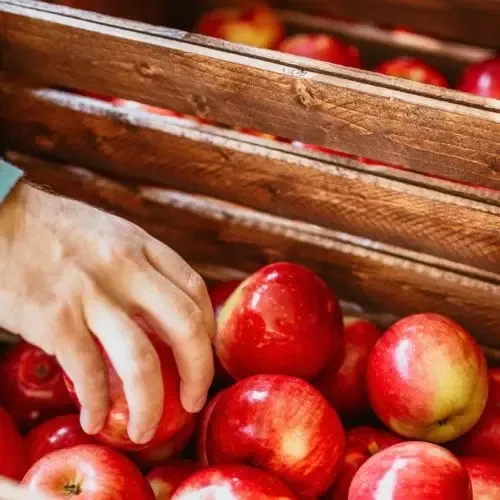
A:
<point x="203" y="428"/>
<point x="166" y="479"/>
<point x="55" y="434"/>
<point x="282" y="319"/>
<point x="174" y="417"/>
<point x="220" y="292"/>
<point x="361" y="443"/>
<point x="413" y="69"/>
<point x="482" y="79"/>
<point x="427" y="378"/>
<point x="32" y="388"/>
<point x="281" y="424"/>
<point x="323" y="48"/>
<point x="485" y="477"/>
<point x="95" y="471"/>
<point x="412" y="471"/>
<point x="13" y="463"/>
<point x="233" y="482"/>
<point x="163" y="453"/>
<point x="255" y="25"/>
<point x="345" y="387"/>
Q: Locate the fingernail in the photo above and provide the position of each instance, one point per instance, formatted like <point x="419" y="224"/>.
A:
<point x="197" y="405"/>
<point x="144" y="438"/>
<point x="90" y="424"/>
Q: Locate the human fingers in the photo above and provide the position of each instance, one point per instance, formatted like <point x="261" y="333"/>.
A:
<point x="180" y="321"/>
<point x="180" y="273"/>
<point x="135" y="361"/>
<point x="79" y="357"/>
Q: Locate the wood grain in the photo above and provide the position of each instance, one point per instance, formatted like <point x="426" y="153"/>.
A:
<point x="203" y="159"/>
<point x="471" y="21"/>
<point x="211" y="232"/>
<point x="422" y="128"/>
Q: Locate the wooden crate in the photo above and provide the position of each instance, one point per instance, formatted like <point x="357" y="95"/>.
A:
<point x="389" y="241"/>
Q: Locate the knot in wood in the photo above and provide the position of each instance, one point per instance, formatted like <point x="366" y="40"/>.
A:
<point x="304" y="95"/>
<point x="147" y="70"/>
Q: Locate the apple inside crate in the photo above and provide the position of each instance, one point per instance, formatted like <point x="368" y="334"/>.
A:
<point x="332" y="171"/>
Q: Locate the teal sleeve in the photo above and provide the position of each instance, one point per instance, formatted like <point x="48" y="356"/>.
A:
<point x="9" y="177"/>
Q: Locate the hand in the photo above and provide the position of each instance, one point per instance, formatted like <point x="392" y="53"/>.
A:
<point x="71" y="273"/>
<point x="11" y="491"/>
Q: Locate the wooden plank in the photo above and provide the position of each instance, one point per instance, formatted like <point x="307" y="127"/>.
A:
<point x="423" y="128"/>
<point x="216" y="233"/>
<point x="471" y="21"/>
<point x="378" y="44"/>
<point x="203" y="159"/>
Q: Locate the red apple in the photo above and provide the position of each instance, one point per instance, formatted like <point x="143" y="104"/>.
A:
<point x="281" y="424"/>
<point x="322" y="47"/>
<point x="159" y="455"/>
<point x="321" y="149"/>
<point x="345" y="387"/>
<point x="411" y="471"/>
<point x="221" y="292"/>
<point x="32" y="388"/>
<point x="13" y="462"/>
<point x="361" y="444"/>
<point x="414" y="69"/>
<point x="232" y="482"/>
<point x="174" y="417"/>
<point x="427" y="378"/>
<point x="282" y="319"/>
<point x="482" y="79"/>
<point x="483" y="440"/>
<point x="494" y="387"/>
<point x="255" y="24"/>
<point x="485" y="477"/>
<point x="203" y="428"/>
<point x="91" y="472"/>
<point x="55" y="434"/>
<point x="166" y="479"/>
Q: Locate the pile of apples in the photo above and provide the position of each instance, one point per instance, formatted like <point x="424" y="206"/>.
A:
<point x="306" y="404"/>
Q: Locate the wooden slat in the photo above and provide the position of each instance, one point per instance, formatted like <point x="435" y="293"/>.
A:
<point x="378" y="44"/>
<point x="471" y="21"/>
<point x="154" y="149"/>
<point x="399" y="122"/>
<point x="211" y="232"/>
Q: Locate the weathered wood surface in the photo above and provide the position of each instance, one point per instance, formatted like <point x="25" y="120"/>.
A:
<point x="202" y="159"/>
<point x="211" y="232"/>
<point x="399" y="122"/>
<point x="471" y="21"/>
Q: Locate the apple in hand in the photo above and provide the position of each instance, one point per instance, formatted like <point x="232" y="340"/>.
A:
<point x="281" y="424"/>
<point x="412" y="471"/>
<point x="413" y="69"/>
<point x="166" y="479"/>
<point x="13" y="462"/>
<point x="345" y="387"/>
<point x="485" y="477"/>
<point x="32" y="388"/>
<point x="361" y="443"/>
<point x="482" y="78"/>
<point x="162" y="453"/>
<point x="282" y="319"/>
<point x="427" y="378"/>
<point x="256" y="25"/>
<point x="322" y="47"/>
<point x="55" y="434"/>
<point x="232" y="482"/>
<point x="91" y="472"/>
<point x="221" y="292"/>
<point x="174" y="417"/>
